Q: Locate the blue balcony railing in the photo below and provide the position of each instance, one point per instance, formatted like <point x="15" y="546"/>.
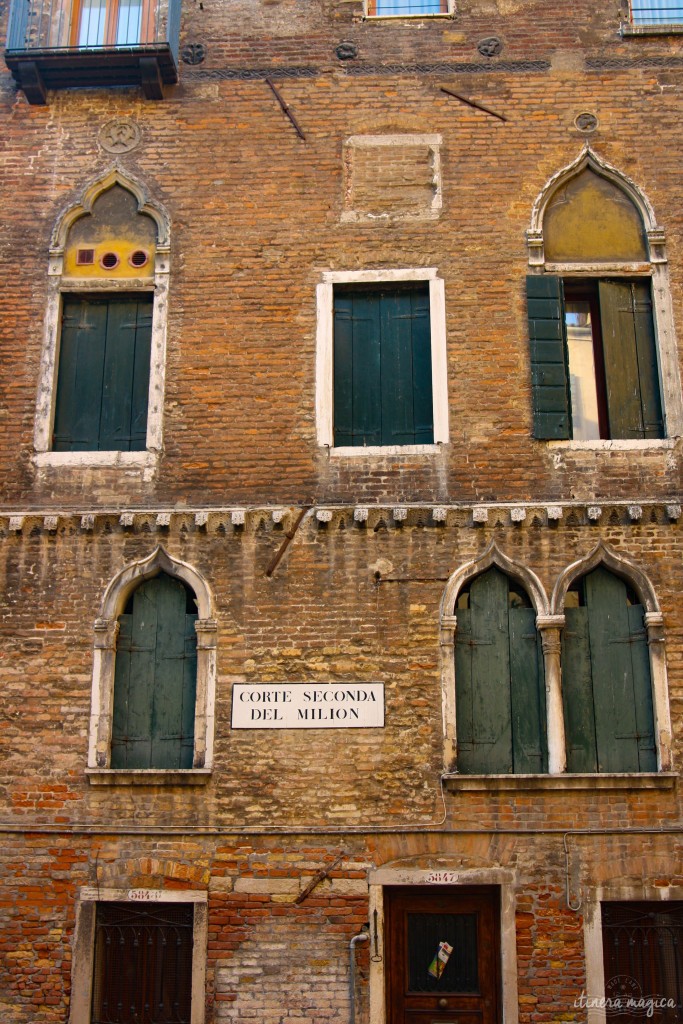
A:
<point x="67" y="43"/>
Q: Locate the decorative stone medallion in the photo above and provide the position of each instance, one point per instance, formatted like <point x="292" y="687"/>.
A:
<point x="120" y="136"/>
<point x="346" y="51"/>
<point x="193" y="53"/>
<point x="586" y="122"/>
<point x="490" y="47"/>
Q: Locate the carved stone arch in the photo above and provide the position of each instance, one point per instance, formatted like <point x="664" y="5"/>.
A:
<point x="93" y="190"/>
<point x="493" y="556"/>
<point x="588" y="159"/>
<point x="620" y="565"/>
<point x="121" y="587"/>
<point x="106" y="629"/>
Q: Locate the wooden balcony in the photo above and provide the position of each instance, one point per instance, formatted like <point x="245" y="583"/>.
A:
<point x="66" y="44"/>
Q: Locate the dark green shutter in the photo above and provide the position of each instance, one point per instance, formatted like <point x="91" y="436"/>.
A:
<point x="548" y="349"/>
<point x="500" y="696"/>
<point x="630" y="352"/>
<point x="155" y="679"/>
<point x="613" y="649"/>
<point x="527" y="694"/>
<point x="103" y="381"/>
<point x="382" y="367"/>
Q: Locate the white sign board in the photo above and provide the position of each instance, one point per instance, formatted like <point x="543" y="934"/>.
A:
<point x="308" y="705"/>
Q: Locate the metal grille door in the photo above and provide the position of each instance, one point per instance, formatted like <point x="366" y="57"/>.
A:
<point x="643" y="955"/>
<point x="143" y="964"/>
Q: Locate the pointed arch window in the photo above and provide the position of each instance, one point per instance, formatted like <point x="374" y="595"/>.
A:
<point x="154" y="676"/>
<point x="500" y="688"/>
<point x="100" y="397"/>
<point x="606" y="679"/>
<point x="603" y="353"/>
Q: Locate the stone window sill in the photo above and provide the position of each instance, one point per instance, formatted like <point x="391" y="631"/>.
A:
<point x="95" y="460"/>
<point x="148" y="776"/>
<point x="391" y="450"/>
<point x="671" y="29"/>
<point x="499" y="783"/>
<point x="633" y="444"/>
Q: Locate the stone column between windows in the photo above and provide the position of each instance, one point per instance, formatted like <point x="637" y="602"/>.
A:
<point x="550" y="628"/>
<point x="207" y="642"/>
<point x="106" y="635"/>
<point x="447" y="633"/>
<point x="654" y="624"/>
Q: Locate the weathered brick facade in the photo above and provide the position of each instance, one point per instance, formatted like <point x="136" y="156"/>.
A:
<point x="351" y="592"/>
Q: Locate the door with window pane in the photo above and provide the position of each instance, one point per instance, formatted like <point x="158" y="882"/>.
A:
<point x="442" y="955"/>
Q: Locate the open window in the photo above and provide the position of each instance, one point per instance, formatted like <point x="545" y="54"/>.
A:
<point x="603" y="354"/>
<point x="500" y="705"/>
<point x="100" y="398"/>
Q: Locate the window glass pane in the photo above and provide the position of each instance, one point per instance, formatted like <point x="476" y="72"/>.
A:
<point x="409" y="7"/>
<point x="654" y="12"/>
<point x="581" y="353"/>
<point x="128" y="28"/>
<point x="431" y="966"/>
<point x="92" y="23"/>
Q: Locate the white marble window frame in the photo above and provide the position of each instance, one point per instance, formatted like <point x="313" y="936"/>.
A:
<point x="325" y="358"/>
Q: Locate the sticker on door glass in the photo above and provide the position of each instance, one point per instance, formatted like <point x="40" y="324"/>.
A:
<point x="438" y="964"/>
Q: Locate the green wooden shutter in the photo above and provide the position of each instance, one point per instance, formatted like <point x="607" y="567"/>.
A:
<point x="357" y="373"/>
<point x="103" y="380"/>
<point x="630" y="352"/>
<point x="81" y="373"/>
<point x="527" y="694"/>
<point x="155" y="679"/>
<point x="577" y="693"/>
<point x="125" y="394"/>
<point x="406" y="367"/>
<point x="382" y="367"/>
<point x="606" y="668"/>
<point x="549" y="366"/>
<point x="482" y="678"/>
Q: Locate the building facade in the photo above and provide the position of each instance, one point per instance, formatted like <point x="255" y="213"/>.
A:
<point x="340" y="512"/>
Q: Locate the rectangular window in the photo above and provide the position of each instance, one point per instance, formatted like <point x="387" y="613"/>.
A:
<point x="642" y="944"/>
<point x="103" y="380"/>
<point x="403" y="8"/>
<point x="594" y="359"/>
<point x="143" y="963"/>
<point x="382" y="365"/>
<point x="657" y="12"/>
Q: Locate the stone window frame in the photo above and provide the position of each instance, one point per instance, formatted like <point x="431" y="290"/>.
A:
<point x="396" y="875"/>
<point x="59" y="285"/>
<point x="609" y="892"/>
<point x="83" y="966"/>
<point x="325" y="358"/>
<point x="550" y="621"/>
<point x="106" y="629"/>
<point x="656" y="269"/>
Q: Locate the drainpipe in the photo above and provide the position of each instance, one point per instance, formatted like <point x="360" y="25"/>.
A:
<point x="361" y="937"/>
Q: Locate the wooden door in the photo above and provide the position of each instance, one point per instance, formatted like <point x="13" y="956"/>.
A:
<point x="421" y="987"/>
